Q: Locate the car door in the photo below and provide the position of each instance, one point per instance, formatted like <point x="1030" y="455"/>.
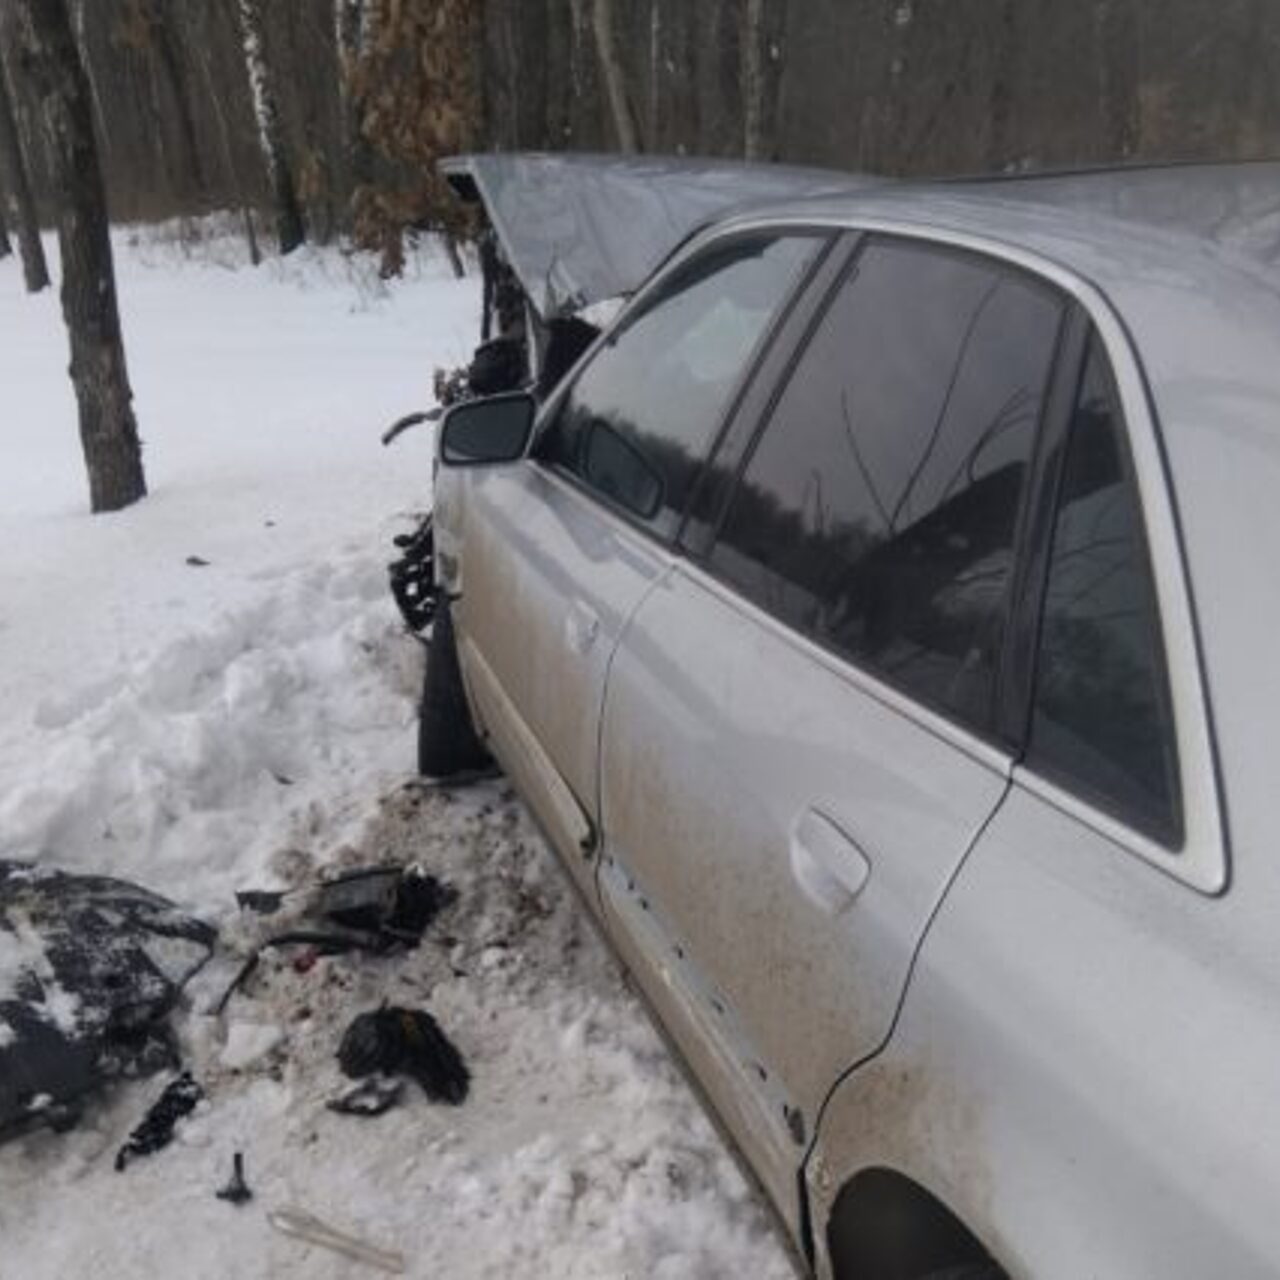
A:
<point x="799" y="743"/>
<point x="1103" y="1022"/>
<point x="557" y="550"/>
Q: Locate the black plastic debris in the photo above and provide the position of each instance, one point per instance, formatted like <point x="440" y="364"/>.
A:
<point x="90" y="967"/>
<point x="371" y="1097"/>
<point x="392" y="1040"/>
<point x="155" y="1131"/>
<point x="396" y="904"/>
<point x="263" y="902"/>
<point x="236" y="1191"/>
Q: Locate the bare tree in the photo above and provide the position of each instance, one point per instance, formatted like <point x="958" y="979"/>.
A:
<point x="168" y="52"/>
<point x="20" y="208"/>
<point x="50" y="64"/>
<point x="611" y="71"/>
<point x="289" y="224"/>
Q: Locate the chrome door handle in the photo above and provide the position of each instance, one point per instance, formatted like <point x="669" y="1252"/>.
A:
<point x="827" y="864"/>
<point x="581" y="627"/>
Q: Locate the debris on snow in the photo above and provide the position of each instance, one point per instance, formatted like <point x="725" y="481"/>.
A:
<point x="392" y="1040"/>
<point x="155" y="1131"/>
<point x="151" y="750"/>
<point x="237" y="1190"/>
<point x="306" y="1226"/>
<point x="394" y="903"/>
<point x="373" y="1096"/>
<point x="90" y="968"/>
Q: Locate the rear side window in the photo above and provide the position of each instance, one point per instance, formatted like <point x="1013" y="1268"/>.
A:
<point x="641" y="418"/>
<point x="1101" y="717"/>
<point x="879" y="510"/>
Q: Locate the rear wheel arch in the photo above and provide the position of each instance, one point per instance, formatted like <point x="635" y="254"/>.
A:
<point x="885" y="1226"/>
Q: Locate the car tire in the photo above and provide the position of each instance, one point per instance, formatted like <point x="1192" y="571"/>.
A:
<point x="448" y="745"/>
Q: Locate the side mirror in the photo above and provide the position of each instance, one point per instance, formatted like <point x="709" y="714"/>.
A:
<point x="486" y="431"/>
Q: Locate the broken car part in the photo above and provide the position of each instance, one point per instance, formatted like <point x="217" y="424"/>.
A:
<point x="236" y="1191"/>
<point x="155" y="1131"/>
<point x="409" y="1041"/>
<point x="392" y="902"/>
<point x="89" y="969"/>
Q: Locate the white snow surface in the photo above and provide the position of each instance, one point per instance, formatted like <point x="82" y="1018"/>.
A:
<point x="250" y="723"/>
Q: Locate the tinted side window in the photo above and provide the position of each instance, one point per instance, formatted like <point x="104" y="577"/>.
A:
<point x="878" y="512"/>
<point x="1101" y="717"/>
<point x="642" y="416"/>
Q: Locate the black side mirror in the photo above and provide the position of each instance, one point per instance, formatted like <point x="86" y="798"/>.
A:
<point x="485" y="431"/>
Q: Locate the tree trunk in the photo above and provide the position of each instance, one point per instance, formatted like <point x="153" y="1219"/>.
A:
<point x="20" y="209"/>
<point x="611" y="70"/>
<point x="753" y="85"/>
<point x="5" y="247"/>
<point x="108" y="431"/>
<point x="168" y="53"/>
<point x="352" y="21"/>
<point x="289" y="225"/>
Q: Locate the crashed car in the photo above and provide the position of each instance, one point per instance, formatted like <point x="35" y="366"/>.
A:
<point x="873" y="619"/>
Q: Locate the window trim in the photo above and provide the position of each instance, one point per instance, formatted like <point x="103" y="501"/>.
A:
<point x="1203" y="860"/>
<point x="1034" y="601"/>
<point x="827" y="237"/>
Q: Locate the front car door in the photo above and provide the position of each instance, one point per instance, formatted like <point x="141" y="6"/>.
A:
<point x="800" y="737"/>
<point x="558" y="549"/>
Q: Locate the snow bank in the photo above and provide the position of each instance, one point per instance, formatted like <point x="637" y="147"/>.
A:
<point x="249" y="721"/>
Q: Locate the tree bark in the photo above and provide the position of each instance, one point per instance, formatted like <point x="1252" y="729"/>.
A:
<point x="20" y="209"/>
<point x="168" y="53"/>
<point x="49" y="59"/>
<point x="753" y="82"/>
<point x="289" y="225"/>
<point x="611" y="71"/>
<point x="352" y="31"/>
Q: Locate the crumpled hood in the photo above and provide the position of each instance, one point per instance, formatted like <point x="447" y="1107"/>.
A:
<point x="577" y="229"/>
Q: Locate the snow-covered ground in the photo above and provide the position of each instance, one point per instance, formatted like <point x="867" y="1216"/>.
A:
<point x="248" y="722"/>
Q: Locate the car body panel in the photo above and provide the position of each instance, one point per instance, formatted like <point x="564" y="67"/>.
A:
<point x="580" y="228"/>
<point x="791" y="876"/>
<point x="547" y="582"/>
<point x="1085" y="1065"/>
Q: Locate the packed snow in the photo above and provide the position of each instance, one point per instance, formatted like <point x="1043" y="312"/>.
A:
<point x="210" y="692"/>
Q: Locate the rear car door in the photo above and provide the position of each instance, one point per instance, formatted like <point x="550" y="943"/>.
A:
<point x="558" y="549"/>
<point x="799" y="740"/>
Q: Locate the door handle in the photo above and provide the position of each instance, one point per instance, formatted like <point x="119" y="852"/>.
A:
<point x="827" y="864"/>
<point x="581" y="627"/>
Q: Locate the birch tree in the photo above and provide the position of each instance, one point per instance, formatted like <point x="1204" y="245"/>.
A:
<point x="289" y="225"/>
<point x="51" y="66"/>
<point x="15" y="186"/>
